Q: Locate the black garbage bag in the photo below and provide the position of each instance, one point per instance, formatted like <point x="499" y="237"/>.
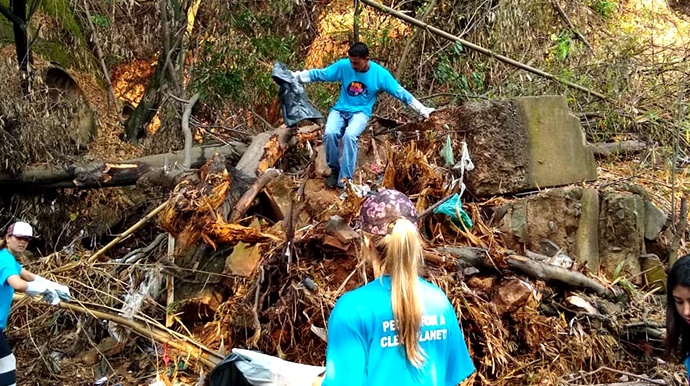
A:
<point x="294" y="102"/>
<point x="226" y="373"/>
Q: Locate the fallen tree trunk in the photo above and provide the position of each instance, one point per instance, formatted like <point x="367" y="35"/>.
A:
<point x="476" y="257"/>
<point x="113" y="173"/>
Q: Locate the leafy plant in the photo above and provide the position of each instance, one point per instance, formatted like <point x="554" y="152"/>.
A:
<point x="605" y="8"/>
<point x="100" y="20"/>
<point x="564" y="43"/>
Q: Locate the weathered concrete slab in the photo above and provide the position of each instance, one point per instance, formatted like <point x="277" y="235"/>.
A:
<point x="655" y="220"/>
<point x="587" y="238"/>
<point x="654" y="272"/>
<point x="523" y="144"/>
<point x="621" y="235"/>
<point x="552" y="214"/>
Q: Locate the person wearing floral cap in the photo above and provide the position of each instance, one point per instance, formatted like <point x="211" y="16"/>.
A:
<point x="399" y="329"/>
<point x="13" y="277"/>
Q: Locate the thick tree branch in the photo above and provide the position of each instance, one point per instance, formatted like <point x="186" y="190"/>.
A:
<point x="11" y="17"/>
<point x="476" y="257"/>
<point x="187" y="162"/>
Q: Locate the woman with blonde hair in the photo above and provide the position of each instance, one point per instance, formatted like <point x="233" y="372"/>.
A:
<point x="399" y="329"/>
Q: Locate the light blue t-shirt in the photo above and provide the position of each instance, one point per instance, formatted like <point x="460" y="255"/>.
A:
<point x="358" y="90"/>
<point x="363" y="347"/>
<point x="8" y="267"/>
<point x="687" y="367"/>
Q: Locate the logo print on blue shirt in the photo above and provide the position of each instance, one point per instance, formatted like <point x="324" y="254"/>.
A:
<point x="356" y="89"/>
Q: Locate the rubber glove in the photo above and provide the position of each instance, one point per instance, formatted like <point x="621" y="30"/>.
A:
<point x="62" y="291"/>
<point x="301" y="76"/>
<point x="421" y="109"/>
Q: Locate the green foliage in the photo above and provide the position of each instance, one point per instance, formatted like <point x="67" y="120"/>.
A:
<point x="56" y="46"/>
<point x="272" y="48"/>
<point x="229" y="73"/>
<point x="100" y="21"/>
<point x="605" y="8"/>
<point x="564" y="44"/>
<point x="249" y="21"/>
<point x="61" y="11"/>
<point x="235" y="67"/>
<point x="448" y="73"/>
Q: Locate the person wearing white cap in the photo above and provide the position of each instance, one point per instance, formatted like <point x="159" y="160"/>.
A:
<point x="13" y="277"/>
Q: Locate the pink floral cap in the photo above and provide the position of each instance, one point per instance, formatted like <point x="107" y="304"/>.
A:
<point x="381" y="209"/>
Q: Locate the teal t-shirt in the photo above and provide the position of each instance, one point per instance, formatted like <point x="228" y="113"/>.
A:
<point x="358" y="90"/>
<point x="8" y="267"/>
<point x="363" y="347"/>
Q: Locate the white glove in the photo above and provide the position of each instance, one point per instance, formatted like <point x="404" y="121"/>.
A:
<point x="301" y="76"/>
<point x="51" y="297"/>
<point x="421" y="109"/>
<point x="62" y="291"/>
<point x="35" y="288"/>
<point x="48" y="295"/>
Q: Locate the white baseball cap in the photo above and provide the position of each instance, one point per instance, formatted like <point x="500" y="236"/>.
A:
<point x="20" y="229"/>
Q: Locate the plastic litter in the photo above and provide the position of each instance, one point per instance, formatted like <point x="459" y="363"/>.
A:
<point x="295" y="104"/>
<point x="453" y="209"/>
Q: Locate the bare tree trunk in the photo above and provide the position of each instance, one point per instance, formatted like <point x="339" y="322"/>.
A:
<point x="165" y="77"/>
<point x="17" y="15"/>
<point x="101" y="60"/>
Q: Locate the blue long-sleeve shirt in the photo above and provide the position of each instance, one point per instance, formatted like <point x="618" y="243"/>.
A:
<point x="358" y="90"/>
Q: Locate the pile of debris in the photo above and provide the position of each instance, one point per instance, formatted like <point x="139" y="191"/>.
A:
<point x="258" y="258"/>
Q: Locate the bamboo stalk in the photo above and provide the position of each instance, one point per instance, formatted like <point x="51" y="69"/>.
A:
<point x="126" y="233"/>
<point x="205" y="356"/>
<point x="480" y="49"/>
<point x="680" y="231"/>
<point x="170" y="283"/>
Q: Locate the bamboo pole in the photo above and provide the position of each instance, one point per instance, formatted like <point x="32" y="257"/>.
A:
<point x="126" y="233"/>
<point x="206" y="357"/>
<point x="679" y="233"/>
<point x="480" y="49"/>
<point x="170" y="283"/>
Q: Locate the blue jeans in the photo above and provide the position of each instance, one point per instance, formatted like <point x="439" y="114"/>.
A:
<point x="349" y="127"/>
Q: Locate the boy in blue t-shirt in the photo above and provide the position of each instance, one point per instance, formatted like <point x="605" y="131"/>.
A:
<point x="361" y="80"/>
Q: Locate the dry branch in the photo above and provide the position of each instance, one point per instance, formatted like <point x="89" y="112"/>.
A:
<point x="402" y="64"/>
<point x="187" y="162"/>
<point x="531" y="268"/>
<point x="621" y="147"/>
<point x="570" y="25"/>
<point x="268" y="147"/>
<point x="128" y="232"/>
<point x="246" y="200"/>
<point x="205" y="356"/>
<point x="101" y="59"/>
<point x="680" y="232"/>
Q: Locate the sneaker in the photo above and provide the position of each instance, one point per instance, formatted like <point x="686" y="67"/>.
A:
<point x="332" y="180"/>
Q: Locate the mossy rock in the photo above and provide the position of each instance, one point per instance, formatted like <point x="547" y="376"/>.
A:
<point x="64" y="42"/>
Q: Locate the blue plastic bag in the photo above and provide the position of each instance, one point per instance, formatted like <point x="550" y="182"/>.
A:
<point x="452" y="208"/>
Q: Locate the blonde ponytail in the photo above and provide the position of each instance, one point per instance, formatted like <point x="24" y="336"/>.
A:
<point x="403" y="256"/>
